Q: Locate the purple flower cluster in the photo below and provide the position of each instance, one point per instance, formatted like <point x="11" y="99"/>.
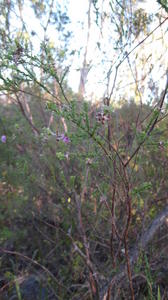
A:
<point x="3" y="139"/>
<point x="63" y="138"/>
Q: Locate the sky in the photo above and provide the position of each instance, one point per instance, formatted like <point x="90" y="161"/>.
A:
<point x="77" y="12"/>
<point x="96" y="87"/>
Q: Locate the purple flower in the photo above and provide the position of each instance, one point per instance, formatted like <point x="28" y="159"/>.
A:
<point x="63" y="138"/>
<point x="66" y="140"/>
<point x="3" y="139"/>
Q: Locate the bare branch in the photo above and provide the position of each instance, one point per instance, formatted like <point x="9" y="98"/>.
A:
<point x="163" y="95"/>
<point x="141" y="245"/>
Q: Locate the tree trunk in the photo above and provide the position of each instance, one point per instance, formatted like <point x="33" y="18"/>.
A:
<point x="85" y="67"/>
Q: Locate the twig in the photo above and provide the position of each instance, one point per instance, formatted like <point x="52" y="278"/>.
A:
<point x="163" y="96"/>
<point x="92" y="274"/>
<point x="35" y="263"/>
<point x="139" y="247"/>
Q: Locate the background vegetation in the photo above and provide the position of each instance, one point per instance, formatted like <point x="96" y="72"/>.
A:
<point x="83" y="184"/>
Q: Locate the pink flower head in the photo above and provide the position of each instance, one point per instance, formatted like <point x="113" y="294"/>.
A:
<point x="3" y="139"/>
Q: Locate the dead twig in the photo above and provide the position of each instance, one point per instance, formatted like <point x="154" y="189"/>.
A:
<point x="140" y="246"/>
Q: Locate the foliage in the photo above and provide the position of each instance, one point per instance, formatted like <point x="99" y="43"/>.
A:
<point x="164" y="4"/>
<point x="80" y="183"/>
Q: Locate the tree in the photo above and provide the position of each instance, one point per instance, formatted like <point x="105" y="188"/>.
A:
<point x="85" y="68"/>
